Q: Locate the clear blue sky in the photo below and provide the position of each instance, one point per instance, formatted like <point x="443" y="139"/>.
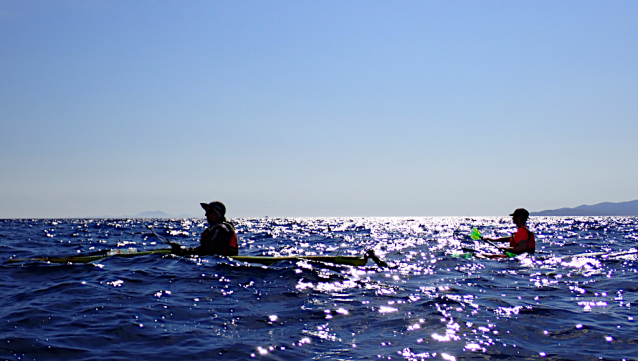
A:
<point x="316" y="108"/>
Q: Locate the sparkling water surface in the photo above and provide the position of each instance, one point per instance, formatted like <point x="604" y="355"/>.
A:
<point x="431" y="305"/>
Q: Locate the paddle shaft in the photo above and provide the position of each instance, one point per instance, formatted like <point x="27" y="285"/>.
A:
<point x="497" y="247"/>
<point x="161" y="238"/>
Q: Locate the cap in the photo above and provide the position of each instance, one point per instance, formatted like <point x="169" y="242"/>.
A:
<point x="520" y="212"/>
<point x="217" y="207"/>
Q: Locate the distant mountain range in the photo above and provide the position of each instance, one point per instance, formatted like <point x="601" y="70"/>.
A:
<point x="601" y="209"/>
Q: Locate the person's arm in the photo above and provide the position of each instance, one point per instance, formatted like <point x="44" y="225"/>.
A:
<point x="520" y="248"/>
<point x="502" y="239"/>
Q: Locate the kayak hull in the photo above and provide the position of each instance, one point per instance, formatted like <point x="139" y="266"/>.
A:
<point x="265" y="260"/>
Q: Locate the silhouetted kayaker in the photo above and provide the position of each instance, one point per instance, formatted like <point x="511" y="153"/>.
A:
<point x="219" y="238"/>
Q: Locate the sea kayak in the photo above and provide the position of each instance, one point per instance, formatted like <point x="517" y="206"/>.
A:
<point x="131" y="252"/>
<point x="467" y="254"/>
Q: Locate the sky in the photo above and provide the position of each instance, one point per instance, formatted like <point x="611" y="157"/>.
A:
<point x="316" y="108"/>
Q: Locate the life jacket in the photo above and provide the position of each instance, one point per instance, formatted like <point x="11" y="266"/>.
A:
<point x="233" y="244"/>
<point x="221" y="239"/>
<point x="531" y="242"/>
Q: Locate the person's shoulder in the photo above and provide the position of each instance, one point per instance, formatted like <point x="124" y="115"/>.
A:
<point x="229" y="224"/>
<point x="225" y="226"/>
<point x="521" y="231"/>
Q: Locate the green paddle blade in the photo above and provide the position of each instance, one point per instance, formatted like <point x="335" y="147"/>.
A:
<point x="510" y="254"/>
<point x="475" y="235"/>
<point x="466" y="255"/>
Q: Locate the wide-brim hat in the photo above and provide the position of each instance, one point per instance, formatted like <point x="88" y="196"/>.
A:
<point x="217" y="207"/>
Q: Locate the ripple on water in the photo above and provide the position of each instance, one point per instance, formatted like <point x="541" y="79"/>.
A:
<point x="430" y="306"/>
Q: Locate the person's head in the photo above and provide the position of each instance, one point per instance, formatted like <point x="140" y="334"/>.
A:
<point x="520" y="216"/>
<point x="215" y="211"/>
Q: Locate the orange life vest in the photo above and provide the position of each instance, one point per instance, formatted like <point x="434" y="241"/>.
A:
<point x="212" y="236"/>
<point x="526" y="235"/>
<point x="233" y="241"/>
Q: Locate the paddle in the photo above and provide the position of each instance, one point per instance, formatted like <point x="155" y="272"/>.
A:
<point x="161" y="238"/>
<point x="370" y="254"/>
<point x="476" y="235"/>
<point x="174" y="246"/>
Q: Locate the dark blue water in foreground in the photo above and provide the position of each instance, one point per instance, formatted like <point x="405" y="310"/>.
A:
<point x="433" y="306"/>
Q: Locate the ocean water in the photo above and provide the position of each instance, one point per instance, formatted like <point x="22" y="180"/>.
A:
<point x="431" y="306"/>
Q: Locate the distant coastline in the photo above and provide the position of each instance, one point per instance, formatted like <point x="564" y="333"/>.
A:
<point x="601" y="209"/>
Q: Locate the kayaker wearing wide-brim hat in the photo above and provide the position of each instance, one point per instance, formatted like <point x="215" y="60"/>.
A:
<point x="523" y="240"/>
<point x="219" y="238"/>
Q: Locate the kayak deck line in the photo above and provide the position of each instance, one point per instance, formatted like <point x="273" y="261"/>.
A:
<point x="265" y="260"/>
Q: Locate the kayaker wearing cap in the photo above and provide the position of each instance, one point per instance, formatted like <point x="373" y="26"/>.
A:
<point x="523" y="240"/>
<point x="219" y="238"/>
